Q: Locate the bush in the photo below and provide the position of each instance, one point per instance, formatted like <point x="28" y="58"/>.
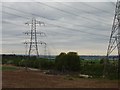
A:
<point x="67" y="62"/>
<point x="95" y="70"/>
<point x="46" y="64"/>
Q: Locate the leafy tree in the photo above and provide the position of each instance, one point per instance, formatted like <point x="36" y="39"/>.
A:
<point x="60" y="61"/>
<point x="67" y="62"/>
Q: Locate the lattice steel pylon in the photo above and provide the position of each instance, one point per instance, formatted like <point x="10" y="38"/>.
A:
<point x="33" y="48"/>
<point x="114" y="41"/>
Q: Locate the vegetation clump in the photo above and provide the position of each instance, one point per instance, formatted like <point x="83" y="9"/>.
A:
<point x="67" y="62"/>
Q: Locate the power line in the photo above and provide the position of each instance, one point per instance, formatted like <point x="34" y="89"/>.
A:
<point x="73" y="14"/>
<point x="80" y="10"/>
<point x="72" y="29"/>
<point x="51" y="19"/>
<point x="4" y="21"/>
<point x="28" y="32"/>
<point x="58" y="26"/>
<point x="15" y="15"/>
<point x="21" y="11"/>
<point x="68" y="29"/>
<point x="97" y="8"/>
<point x="78" y="30"/>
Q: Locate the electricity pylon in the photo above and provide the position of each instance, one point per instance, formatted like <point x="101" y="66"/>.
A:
<point x="114" y="41"/>
<point x="33" y="48"/>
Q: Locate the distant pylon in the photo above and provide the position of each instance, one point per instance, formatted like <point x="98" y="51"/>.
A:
<point x="114" y="41"/>
<point x="26" y="47"/>
<point x="33" y="48"/>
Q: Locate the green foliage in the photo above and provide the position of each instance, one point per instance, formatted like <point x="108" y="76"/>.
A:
<point x="32" y="62"/>
<point x="38" y="63"/>
<point x="46" y="64"/>
<point x="8" y="68"/>
<point x="60" y="61"/>
<point x="67" y="62"/>
<point x="112" y="71"/>
<point x="102" y="61"/>
<point x="94" y="70"/>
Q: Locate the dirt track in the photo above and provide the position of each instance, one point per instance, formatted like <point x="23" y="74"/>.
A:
<point x="37" y="79"/>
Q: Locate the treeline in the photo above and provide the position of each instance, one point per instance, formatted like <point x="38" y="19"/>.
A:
<point x="26" y="61"/>
<point x="64" y="63"/>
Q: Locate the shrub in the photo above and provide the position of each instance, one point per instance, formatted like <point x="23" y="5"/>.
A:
<point x="67" y="62"/>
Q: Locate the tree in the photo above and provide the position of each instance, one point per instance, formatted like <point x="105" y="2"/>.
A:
<point x="73" y="61"/>
<point x="69" y="62"/>
<point x="60" y="61"/>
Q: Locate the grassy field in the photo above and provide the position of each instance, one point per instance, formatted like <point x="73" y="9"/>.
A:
<point x="7" y="68"/>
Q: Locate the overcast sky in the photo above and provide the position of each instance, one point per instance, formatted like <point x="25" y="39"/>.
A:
<point x="83" y="27"/>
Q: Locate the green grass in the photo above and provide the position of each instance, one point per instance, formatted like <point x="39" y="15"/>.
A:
<point x="7" y="68"/>
<point x="95" y="61"/>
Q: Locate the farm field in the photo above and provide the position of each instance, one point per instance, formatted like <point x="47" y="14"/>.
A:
<point x="8" y="68"/>
<point x="19" y="78"/>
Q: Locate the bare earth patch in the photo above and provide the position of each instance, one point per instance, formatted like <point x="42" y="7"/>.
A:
<point x="36" y="79"/>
